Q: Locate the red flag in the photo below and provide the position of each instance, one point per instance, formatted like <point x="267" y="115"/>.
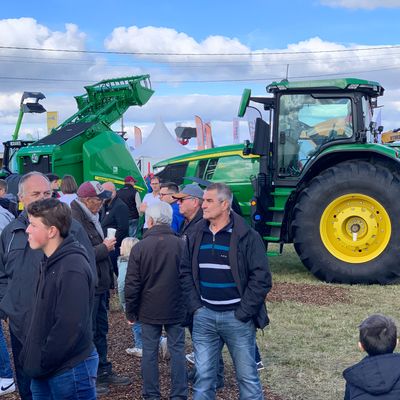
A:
<point x="200" y="133"/>
<point x="209" y="138"/>
<point x="138" y="137"/>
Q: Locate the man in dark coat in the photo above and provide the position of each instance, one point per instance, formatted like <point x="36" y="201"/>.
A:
<point x="114" y="214"/>
<point x="130" y="196"/>
<point x="190" y="199"/>
<point x="153" y="296"/>
<point x="225" y="276"/>
<point x="377" y="376"/>
<point x="85" y="209"/>
<point x="59" y="353"/>
<point x="19" y="270"/>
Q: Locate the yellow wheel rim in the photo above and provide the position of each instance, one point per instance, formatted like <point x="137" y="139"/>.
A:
<point x="355" y="228"/>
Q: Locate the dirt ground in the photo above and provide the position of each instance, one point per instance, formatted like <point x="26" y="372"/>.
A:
<point x="120" y="338"/>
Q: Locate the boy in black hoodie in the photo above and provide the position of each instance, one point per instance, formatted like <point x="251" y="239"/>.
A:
<point x="58" y="352"/>
<point x="378" y="374"/>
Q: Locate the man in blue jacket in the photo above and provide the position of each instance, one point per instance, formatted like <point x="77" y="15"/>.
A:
<point x="225" y="278"/>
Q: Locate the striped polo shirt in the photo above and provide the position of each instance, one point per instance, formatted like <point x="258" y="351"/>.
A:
<point x="218" y="289"/>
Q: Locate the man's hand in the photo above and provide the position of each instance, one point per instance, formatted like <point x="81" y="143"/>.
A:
<point x="110" y="243"/>
<point x="143" y="207"/>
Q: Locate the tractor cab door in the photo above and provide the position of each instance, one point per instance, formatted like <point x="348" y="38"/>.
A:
<point x="305" y="123"/>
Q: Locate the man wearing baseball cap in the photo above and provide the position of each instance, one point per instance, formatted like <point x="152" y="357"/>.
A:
<point x="129" y="195"/>
<point x="189" y="199"/>
<point x="85" y="209"/>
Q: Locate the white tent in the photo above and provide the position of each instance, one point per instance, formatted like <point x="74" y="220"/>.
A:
<point x="159" y="145"/>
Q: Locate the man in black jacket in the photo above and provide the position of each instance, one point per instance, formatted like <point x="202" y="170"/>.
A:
<point x="58" y="353"/>
<point x="225" y="276"/>
<point x="189" y="199"/>
<point x="153" y="296"/>
<point x="129" y="195"/>
<point x="114" y="215"/>
<point x="86" y="209"/>
<point x="19" y="270"/>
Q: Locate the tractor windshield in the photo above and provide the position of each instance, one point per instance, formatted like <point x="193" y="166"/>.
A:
<point x="305" y="124"/>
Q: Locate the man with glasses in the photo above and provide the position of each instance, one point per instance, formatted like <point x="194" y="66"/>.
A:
<point x="167" y="192"/>
<point x="189" y="199"/>
<point x="85" y="209"/>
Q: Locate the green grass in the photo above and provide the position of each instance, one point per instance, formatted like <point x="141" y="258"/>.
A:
<point x="307" y="347"/>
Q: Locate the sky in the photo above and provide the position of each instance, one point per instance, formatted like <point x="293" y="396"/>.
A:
<point x="200" y="54"/>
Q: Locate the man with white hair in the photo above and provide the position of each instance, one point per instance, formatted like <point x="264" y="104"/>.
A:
<point x="153" y="296"/>
<point x="225" y="278"/>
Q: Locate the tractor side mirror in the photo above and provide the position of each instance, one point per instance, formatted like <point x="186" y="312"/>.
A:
<point x="244" y="102"/>
<point x="262" y="137"/>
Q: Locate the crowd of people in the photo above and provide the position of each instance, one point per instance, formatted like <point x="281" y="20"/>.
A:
<point x="195" y="264"/>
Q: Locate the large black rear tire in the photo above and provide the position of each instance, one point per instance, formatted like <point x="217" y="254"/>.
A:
<point x="346" y="224"/>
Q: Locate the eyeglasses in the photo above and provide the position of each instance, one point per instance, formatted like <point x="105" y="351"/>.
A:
<point x="185" y="198"/>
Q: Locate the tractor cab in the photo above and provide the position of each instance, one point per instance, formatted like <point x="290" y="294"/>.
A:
<point x="309" y="117"/>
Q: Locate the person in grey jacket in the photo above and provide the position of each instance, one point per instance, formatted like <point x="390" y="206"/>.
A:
<point x="5" y="218"/>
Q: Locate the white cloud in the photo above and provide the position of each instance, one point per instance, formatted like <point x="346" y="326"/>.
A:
<point x="174" y="102"/>
<point x="24" y="68"/>
<point x="362" y="4"/>
<point x="152" y="39"/>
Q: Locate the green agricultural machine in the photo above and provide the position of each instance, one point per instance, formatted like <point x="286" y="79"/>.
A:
<point x="84" y="145"/>
<point x="324" y="183"/>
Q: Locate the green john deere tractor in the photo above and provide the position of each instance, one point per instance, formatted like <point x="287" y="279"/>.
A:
<point x="325" y="183"/>
<point x="84" y="145"/>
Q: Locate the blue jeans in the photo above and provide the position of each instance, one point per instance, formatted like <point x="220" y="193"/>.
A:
<point x="5" y="365"/>
<point x="150" y="373"/>
<point x="137" y="326"/>
<point x="78" y="383"/>
<point x="137" y="334"/>
<point x="133" y="225"/>
<point x="209" y="327"/>
<point x="23" y="380"/>
<point x="100" y="331"/>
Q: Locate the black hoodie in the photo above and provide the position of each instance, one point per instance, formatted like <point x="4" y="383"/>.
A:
<point x="60" y="333"/>
<point x="374" y="377"/>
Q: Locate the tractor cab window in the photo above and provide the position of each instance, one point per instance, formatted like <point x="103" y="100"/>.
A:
<point x="305" y="124"/>
<point x="172" y="172"/>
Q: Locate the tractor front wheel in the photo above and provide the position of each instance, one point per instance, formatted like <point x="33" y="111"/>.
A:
<point x="346" y="224"/>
